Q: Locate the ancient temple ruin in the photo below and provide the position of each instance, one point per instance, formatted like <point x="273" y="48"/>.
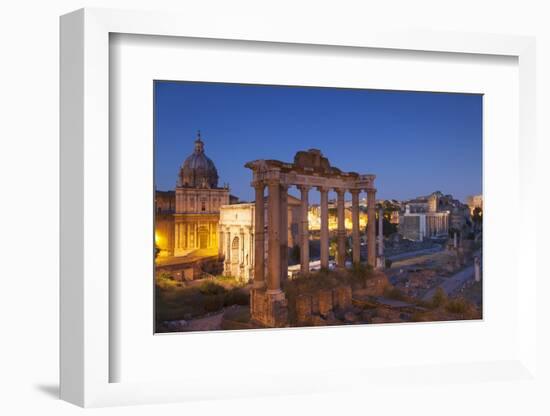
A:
<point x="310" y="170"/>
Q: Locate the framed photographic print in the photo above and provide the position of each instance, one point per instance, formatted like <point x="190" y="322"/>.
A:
<point x="305" y="213"/>
<point x="323" y="247"/>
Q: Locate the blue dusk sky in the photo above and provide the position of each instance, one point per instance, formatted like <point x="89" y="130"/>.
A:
<point x="414" y="142"/>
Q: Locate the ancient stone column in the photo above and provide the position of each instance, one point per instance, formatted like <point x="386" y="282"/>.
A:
<point x="304" y="230"/>
<point x="283" y="233"/>
<point x="259" y="248"/>
<point x="324" y="227"/>
<point x="241" y="260"/>
<point x="477" y="269"/>
<point x="371" y="227"/>
<point x="355" y="226"/>
<point x="380" y="232"/>
<point x="250" y="257"/>
<point x="220" y="243"/>
<point x="227" y="264"/>
<point x="340" y="209"/>
<point x="381" y="260"/>
<point x="274" y="243"/>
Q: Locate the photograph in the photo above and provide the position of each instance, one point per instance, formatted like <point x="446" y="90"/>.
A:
<point x="289" y="206"/>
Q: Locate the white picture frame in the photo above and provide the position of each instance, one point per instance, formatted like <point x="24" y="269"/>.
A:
<point x="86" y="356"/>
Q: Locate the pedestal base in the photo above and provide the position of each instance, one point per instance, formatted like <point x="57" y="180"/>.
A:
<point x="269" y="309"/>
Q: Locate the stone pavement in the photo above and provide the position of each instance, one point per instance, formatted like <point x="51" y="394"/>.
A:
<point x="452" y="283"/>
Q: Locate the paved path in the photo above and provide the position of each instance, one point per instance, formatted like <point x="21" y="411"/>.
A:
<point x="452" y="283"/>
<point x="209" y="323"/>
<point x="411" y="254"/>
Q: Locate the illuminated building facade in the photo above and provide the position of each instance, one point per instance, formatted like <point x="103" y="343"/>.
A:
<point x="236" y="236"/>
<point x="187" y="219"/>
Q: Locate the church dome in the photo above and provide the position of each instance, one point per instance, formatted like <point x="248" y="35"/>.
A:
<point x="198" y="171"/>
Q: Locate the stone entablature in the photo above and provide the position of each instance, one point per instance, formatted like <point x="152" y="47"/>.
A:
<point x="266" y="170"/>
<point x="200" y="201"/>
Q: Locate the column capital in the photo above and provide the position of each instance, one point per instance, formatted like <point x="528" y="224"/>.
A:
<point x="371" y="190"/>
<point x="304" y="188"/>
<point x="323" y="189"/>
<point x="355" y="192"/>
<point x="272" y="181"/>
<point x="258" y="185"/>
<point x="284" y="186"/>
<point x="340" y="192"/>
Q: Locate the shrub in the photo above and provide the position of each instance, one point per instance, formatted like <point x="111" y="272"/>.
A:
<point x="439" y="298"/>
<point x="236" y="297"/>
<point x="323" y="279"/>
<point x="420" y="317"/>
<point x="213" y="303"/>
<point x="458" y="306"/>
<point x="391" y="292"/>
<point x="359" y="274"/>
<point x="211" y="288"/>
<point x="166" y="281"/>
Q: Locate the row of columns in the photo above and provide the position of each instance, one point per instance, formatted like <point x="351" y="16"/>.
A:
<point x="186" y="235"/>
<point x="226" y="246"/>
<point x="278" y="231"/>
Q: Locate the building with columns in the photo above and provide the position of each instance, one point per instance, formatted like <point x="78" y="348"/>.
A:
<point x="310" y="171"/>
<point x="475" y="201"/>
<point x="425" y="217"/>
<point x="187" y="218"/>
<point x="236" y="236"/>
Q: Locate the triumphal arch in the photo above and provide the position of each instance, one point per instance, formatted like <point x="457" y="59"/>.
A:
<point x="309" y="171"/>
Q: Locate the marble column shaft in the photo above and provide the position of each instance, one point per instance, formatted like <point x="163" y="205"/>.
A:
<point x="324" y="227"/>
<point x="380" y="232"/>
<point x="355" y="227"/>
<point x="221" y="242"/>
<point x="304" y="230"/>
<point x="228" y="246"/>
<point x="340" y="209"/>
<point x="283" y="233"/>
<point x="371" y="227"/>
<point x="259" y="245"/>
<point x="274" y="243"/>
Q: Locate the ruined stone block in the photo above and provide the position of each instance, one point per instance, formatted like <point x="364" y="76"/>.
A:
<point x="341" y="297"/>
<point x="303" y="309"/>
<point x="267" y="309"/>
<point x="325" y="302"/>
